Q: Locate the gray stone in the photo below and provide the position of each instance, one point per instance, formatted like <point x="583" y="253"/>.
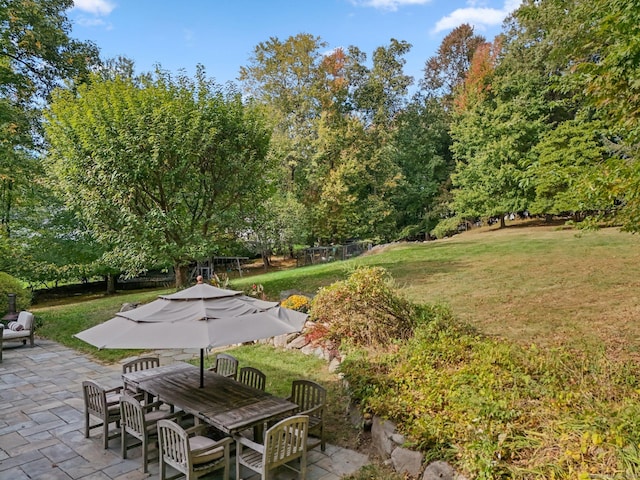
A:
<point x="439" y="470"/>
<point x="398" y="439"/>
<point x="298" y="342"/>
<point x="129" y="306"/>
<point x="334" y="365"/>
<point x="280" y="340"/>
<point x="381" y="431"/>
<point x="407" y="461"/>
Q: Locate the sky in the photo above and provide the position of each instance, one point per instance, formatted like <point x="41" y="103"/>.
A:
<point x="222" y="34"/>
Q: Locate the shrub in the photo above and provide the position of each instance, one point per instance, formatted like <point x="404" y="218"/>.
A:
<point x="446" y="227"/>
<point x="499" y="410"/>
<point x="300" y="303"/>
<point x="9" y="284"/>
<point x="364" y="310"/>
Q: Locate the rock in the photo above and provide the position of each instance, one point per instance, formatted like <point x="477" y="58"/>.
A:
<point x="334" y="364"/>
<point x="129" y="306"/>
<point x="280" y="340"/>
<point x="398" y="439"/>
<point x="355" y="415"/>
<point x="381" y="431"/>
<point x="298" y="342"/>
<point x="407" y="461"/>
<point x="439" y="470"/>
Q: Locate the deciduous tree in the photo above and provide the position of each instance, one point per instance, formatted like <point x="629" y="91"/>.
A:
<point x="162" y="167"/>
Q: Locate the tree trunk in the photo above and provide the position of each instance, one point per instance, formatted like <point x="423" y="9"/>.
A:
<point x="182" y="276"/>
<point x="502" y="224"/>
<point x="111" y="283"/>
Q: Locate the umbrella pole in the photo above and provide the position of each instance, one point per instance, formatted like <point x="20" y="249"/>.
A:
<point x="202" y="368"/>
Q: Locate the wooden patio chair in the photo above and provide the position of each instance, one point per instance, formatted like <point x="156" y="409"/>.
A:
<point x="312" y="401"/>
<point x="103" y="404"/>
<point x="142" y="363"/>
<point x="139" y="421"/>
<point x="193" y="455"/>
<point x="252" y="377"/>
<point x="283" y="443"/>
<point x="226" y="365"/>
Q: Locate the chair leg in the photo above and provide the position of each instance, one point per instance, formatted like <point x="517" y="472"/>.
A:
<point x="105" y="430"/>
<point x="86" y="424"/>
<point x="123" y="442"/>
<point x="303" y="467"/>
<point x="145" y="454"/>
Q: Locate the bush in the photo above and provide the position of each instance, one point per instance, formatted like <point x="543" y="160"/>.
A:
<point x="300" y="303"/>
<point x="9" y="284"/>
<point x="364" y="310"/>
<point x="447" y="227"/>
<point x="498" y="410"/>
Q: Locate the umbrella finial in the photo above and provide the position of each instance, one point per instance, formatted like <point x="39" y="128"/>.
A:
<point x="199" y="279"/>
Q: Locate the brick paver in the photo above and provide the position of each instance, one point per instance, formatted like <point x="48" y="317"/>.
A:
<point x="42" y="422"/>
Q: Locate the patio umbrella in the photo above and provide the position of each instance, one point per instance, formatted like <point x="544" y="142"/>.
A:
<point x="201" y="316"/>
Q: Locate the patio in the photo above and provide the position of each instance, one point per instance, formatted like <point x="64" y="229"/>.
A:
<point x="41" y="422"/>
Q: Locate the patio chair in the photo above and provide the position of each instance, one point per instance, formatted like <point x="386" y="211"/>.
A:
<point x="226" y="365"/>
<point x="139" y="421"/>
<point x="21" y="329"/>
<point x="193" y="455"/>
<point x="283" y="443"/>
<point x="142" y="363"/>
<point x="252" y="377"/>
<point x="312" y="401"/>
<point x="103" y="404"/>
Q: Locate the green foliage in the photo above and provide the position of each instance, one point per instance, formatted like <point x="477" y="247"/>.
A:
<point x="447" y="227"/>
<point x="9" y="284"/>
<point x="122" y="148"/>
<point x="364" y="310"/>
<point x="498" y="410"/>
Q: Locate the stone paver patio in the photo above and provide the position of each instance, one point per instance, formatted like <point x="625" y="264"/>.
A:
<point x="42" y="422"/>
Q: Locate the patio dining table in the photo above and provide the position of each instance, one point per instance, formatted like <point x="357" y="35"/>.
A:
<point x="224" y="403"/>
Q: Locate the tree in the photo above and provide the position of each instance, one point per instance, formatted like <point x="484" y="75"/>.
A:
<point x="36" y="55"/>
<point x="445" y="72"/>
<point x="162" y="168"/>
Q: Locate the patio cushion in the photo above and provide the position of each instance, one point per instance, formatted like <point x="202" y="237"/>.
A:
<point x="15" y="326"/>
<point x="11" y="334"/>
<point x="25" y="319"/>
<point x="198" y="442"/>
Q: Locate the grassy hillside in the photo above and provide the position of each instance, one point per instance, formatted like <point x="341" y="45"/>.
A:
<point x="536" y="284"/>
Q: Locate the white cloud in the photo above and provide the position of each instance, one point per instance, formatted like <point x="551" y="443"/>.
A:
<point x="95" y="7"/>
<point x="480" y="17"/>
<point x="389" y="4"/>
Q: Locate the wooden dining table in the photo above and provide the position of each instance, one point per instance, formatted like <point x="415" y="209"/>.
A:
<point x="224" y="403"/>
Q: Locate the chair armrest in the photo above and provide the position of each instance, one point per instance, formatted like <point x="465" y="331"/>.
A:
<point x="258" y="447"/>
<point x="113" y="390"/>
<point x="152" y="405"/>
<point x="220" y="446"/>
<point x="196" y="429"/>
<point x="311" y="411"/>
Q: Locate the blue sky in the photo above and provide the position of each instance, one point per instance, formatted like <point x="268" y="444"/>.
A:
<point x="221" y="34"/>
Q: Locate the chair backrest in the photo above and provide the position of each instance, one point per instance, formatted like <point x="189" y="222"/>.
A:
<point x="252" y="377"/>
<point x="173" y="445"/>
<point x="308" y="395"/>
<point x="226" y="365"/>
<point x="95" y="398"/>
<point x="25" y="319"/>
<point x="285" y="441"/>
<point x="132" y="416"/>
<point x="142" y="363"/>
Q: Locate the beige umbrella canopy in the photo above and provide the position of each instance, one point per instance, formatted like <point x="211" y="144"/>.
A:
<point x="201" y="316"/>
